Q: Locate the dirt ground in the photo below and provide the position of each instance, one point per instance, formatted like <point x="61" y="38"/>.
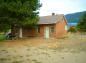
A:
<point x="70" y="49"/>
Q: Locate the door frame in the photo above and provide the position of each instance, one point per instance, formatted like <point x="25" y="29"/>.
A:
<point x="46" y="32"/>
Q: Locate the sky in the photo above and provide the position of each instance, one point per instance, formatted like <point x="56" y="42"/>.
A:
<point x="61" y="6"/>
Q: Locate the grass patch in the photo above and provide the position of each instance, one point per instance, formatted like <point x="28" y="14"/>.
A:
<point x="2" y="37"/>
<point x="36" y="61"/>
<point x="3" y="59"/>
<point x="17" y="61"/>
<point x="28" y="49"/>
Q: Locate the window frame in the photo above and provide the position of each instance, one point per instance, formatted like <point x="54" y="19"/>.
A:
<point x="52" y="29"/>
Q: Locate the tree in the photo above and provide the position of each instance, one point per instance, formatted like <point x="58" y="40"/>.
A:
<point x="82" y="23"/>
<point x="18" y="13"/>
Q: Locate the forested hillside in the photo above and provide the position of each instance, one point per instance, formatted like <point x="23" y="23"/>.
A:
<point x="74" y="17"/>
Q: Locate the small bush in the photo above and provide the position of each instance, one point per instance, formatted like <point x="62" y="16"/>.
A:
<point x="72" y="29"/>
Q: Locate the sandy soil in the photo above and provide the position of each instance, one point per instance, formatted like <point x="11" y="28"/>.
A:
<point x="71" y="49"/>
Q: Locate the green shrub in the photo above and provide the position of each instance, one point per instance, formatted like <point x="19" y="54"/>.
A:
<point x="72" y="29"/>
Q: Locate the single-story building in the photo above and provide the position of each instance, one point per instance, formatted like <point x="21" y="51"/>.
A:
<point x="48" y="26"/>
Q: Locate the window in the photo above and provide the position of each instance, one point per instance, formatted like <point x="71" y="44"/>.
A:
<point x="52" y="29"/>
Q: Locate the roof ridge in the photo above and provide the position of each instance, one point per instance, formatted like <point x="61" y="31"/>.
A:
<point x="52" y="15"/>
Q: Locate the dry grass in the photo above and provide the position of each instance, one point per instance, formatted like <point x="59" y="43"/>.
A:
<point x="71" y="49"/>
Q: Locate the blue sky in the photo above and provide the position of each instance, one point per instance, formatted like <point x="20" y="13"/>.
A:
<point x="61" y="6"/>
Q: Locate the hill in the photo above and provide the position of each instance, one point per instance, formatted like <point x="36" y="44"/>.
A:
<point x="74" y="17"/>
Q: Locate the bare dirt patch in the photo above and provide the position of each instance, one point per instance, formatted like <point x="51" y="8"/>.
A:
<point x="38" y="50"/>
